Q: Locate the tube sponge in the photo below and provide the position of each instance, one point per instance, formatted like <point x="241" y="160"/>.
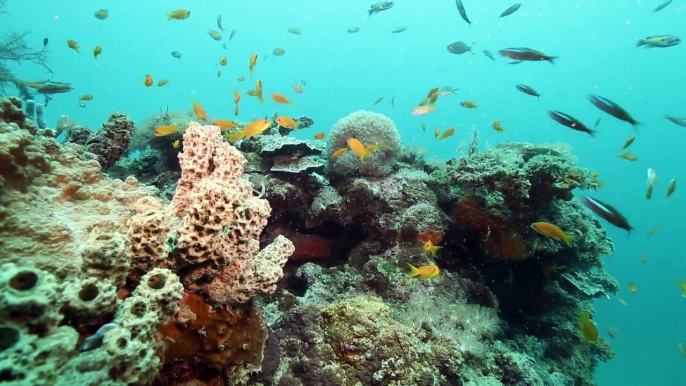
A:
<point x="28" y="297"/>
<point x="371" y="129"/>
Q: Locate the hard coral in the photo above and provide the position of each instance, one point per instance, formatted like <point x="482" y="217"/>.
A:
<point x="371" y="129"/>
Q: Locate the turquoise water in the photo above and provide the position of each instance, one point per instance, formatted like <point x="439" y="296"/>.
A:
<point x="595" y="41"/>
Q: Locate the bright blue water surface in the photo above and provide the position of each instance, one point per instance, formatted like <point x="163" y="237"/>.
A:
<point x="595" y="41"/>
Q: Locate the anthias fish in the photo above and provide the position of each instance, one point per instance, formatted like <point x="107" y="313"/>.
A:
<point x="510" y="11"/>
<point x="607" y="212"/>
<point x="570" y="121"/>
<point x="613" y="109"/>
<point x="526" y="54"/>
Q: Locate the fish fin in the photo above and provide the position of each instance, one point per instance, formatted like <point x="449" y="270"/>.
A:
<point x="640" y="42"/>
<point x="569" y="240"/>
<point x="169" y="16"/>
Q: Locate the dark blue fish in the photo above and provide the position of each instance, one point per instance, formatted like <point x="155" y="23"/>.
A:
<point x="570" y="121"/>
<point x="528" y="54"/>
<point x="463" y="13"/>
<point x="613" y="109"/>
<point x="662" y="6"/>
<point x="45" y="42"/>
<point x="607" y="212"/>
<point x="527" y="90"/>
<point x="510" y="11"/>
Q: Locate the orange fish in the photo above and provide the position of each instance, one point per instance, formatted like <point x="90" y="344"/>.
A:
<point x="256" y="128"/>
<point x="552" y="231"/>
<point x="223" y="61"/>
<point x="199" y="112"/>
<point x="73" y="45"/>
<point x="436" y="132"/>
<point x="148" y="81"/>
<point x="432" y="92"/>
<point x="288" y="123"/>
<point x="166" y="130"/>
<point x="162" y="83"/>
<point x="423" y="273"/>
<point x="320" y="135"/>
<point x="97" y="51"/>
<point x="258" y="91"/>
<point x="298" y="88"/>
<point x="339" y="152"/>
<point x="237" y="96"/>
<point x="359" y="149"/>
<point x="423" y="110"/>
<point x="224" y="124"/>
<point x="278" y="98"/>
<point x="497" y="126"/>
<point x="469" y="105"/>
<point x="86" y="97"/>
<point x="447" y="133"/>
<point x="253" y="62"/>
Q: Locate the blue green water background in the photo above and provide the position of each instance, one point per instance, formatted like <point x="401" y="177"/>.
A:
<point x="595" y="41"/>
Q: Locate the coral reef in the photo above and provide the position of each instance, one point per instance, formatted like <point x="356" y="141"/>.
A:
<point x="371" y="129"/>
<point x="275" y="264"/>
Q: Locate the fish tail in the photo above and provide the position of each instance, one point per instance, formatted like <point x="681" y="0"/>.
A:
<point x="169" y="16"/>
<point x="414" y="271"/>
<point x="551" y="59"/>
<point x="640" y="42"/>
<point x="370" y="12"/>
<point x="569" y="240"/>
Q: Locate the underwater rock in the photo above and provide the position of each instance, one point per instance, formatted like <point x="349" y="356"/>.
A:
<point x="279" y="145"/>
<point x="292" y="165"/>
<point x="111" y="141"/>
<point x="78" y="135"/>
<point x="371" y="129"/>
<point x="94" y="341"/>
<point x="11" y="112"/>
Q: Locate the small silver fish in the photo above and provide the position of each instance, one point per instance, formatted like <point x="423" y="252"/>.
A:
<point x="676" y="120"/>
<point x="219" y="23"/>
<point x="233" y="32"/>
<point x="489" y="55"/>
<point x="295" y="31"/>
<point x="94" y="341"/>
<point x="400" y="29"/>
<point x="662" y="6"/>
<point x="353" y="30"/>
<point x="82" y="104"/>
<point x="176" y="54"/>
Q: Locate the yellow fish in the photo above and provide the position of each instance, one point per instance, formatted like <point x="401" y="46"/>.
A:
<point x="431" y="248"/>
<point x="589" y="331"/>
<point x="166" y="130"/>
<point x="423" y="273"/>
<point x="73" y="45"/>
<point x="681" y="284"/>
<point x="552" y="231"/>
<point x="179" y="14"/>
<point x="176" y="144"/>
<point x="97" y="51"/>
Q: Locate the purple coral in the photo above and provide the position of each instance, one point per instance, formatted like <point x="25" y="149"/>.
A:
<point x="112" y="140"/>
